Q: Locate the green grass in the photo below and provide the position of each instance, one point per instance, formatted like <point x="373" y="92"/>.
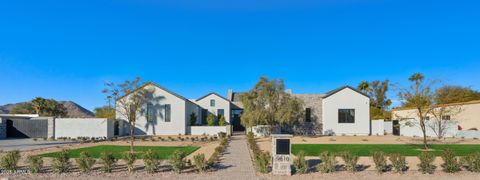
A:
<point x="163" y="151"/>
<point x="368" y="149"/>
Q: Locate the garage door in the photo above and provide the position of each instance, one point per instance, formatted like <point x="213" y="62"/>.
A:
<point x="26" y="128"/>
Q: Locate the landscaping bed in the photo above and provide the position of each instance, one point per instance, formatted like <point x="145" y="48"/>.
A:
<point x="163" y="151"/>
<point x="368" y="149"/>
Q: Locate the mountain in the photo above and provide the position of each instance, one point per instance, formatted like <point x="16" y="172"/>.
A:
<point x="73" y="109"/>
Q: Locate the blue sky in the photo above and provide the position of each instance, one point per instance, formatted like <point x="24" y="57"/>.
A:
<point x="66" y="50"/>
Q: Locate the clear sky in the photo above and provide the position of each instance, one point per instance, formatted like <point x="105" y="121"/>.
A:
<point x="66" y="50"/>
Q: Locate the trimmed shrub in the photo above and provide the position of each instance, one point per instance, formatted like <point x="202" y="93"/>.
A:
<point x="129" y="159"/>
<point x="108" y="161"/>
<point x="450" y="162"/>
<point x="200" y="162"/>
<point x="10" y="160"/>
<point x="211" y="120"/>
<point x="262" y="161"/>
<point x="350" y="161"/>
<point x="300" y="164"/>
<point x="380" y="160"/>
<point x="35" y="164"/>
<point x="85" y="162"/>
<point x="399" y="163"/>
<point x="177" y="160"/>
<point x="61" y="163"/>
<point x="151" y="161"/>
<point x="426" y="163"/>
<point x="472" y="162"/>
<point x="328" y="164"/>
<point x="221" y="121"/>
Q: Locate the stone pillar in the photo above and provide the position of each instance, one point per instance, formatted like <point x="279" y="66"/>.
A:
<point x="3" y="128"/>
<point x="281" y="154"/>
<point x="51" y="127"/>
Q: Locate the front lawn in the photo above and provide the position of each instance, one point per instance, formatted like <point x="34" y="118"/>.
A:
<point x="368" y="149"/>
<point x="163" y="151"/>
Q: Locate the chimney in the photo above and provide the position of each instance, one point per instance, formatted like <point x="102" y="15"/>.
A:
<point x="230" y="95"/>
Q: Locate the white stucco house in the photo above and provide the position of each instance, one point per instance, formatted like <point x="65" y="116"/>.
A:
<point x="343" y="111"/>
<point x="167" y="113"/>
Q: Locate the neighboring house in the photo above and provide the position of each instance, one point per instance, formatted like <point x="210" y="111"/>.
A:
<point x="342" y="111"/>
<point x="458" y="116"/>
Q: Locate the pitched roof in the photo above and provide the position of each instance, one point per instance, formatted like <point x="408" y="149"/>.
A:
<point x="344" y="87"/>
<point x="212" y="93"/>
<point x="158" y="86"/>
<point x="449" y="104"/>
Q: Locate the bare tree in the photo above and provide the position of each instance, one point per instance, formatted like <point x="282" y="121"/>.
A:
<point x="442" y="114"/>
<point x="129" y="98"/>
<point x="419" y="97"/>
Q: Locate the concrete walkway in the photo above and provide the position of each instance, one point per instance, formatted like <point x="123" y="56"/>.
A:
<point x="236" y="162"/>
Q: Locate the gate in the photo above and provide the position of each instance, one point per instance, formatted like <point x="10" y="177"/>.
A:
<point x="396" y="127"/>
<point x="26" y="128"/>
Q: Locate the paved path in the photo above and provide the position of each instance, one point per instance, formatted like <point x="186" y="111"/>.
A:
<point x="236" y="162"/>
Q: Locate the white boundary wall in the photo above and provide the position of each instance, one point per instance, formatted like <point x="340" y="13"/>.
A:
<point x="83" y="127"/>
<point x="378" y="127"/>
<point x="208" y="130"/>
<point x="388" y="127"/>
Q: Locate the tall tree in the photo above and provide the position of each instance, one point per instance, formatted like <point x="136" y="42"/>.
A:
<point x="129" y="99"/>
<point x="420" y="97"/>
<point x="267" y="103"/>
<point x="105" y="112"/>
<point x="455" y="94"/>
<point x="379" y="103"/>
<point x="48" y="107"/>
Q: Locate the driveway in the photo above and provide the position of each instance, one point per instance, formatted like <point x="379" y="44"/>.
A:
<point x="29" y="144"/>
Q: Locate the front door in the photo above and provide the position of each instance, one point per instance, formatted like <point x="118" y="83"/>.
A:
<point x="237" y="125"/>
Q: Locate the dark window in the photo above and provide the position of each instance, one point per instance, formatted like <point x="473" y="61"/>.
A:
<point x="150" y="112"/>
<point x="283" y="146"/>
<point x="346" y="116"/>
<point x="204" y="116"/>
<point x="308" y="115"/>
<point x="212" y="102"/>
<point x="220" y="112"/>
<point x="167" y="113"/>
<point x="447" y="117"/>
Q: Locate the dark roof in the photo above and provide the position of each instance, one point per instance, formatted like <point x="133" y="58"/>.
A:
<point x="162" y="88"/>
<point x="211" y="94"/>
<point x="341" y="88"/>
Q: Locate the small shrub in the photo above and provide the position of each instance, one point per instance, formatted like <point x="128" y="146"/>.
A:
<point x="262" y="161"/>
<point x="221" y="121"/>
<point x="177" y="160"/>
<point x="399" y="163"/>
<point x="450" y="162"/>
<point x="426" y="163"/>
<point x="85" y="162"/>
<point x="211" y="120"/>
<point x="328" y="164"/>
<point x="380" y="160"/>
<point x="35" y="164"/>
<point x="222" y="135"/>
<point x="472" y="162"/>
<point x="151" y="161"/>
<point x="108" y="161"/>
<point x="129" y="159"/>
<point x="61" y="163"/>
<point x="350" y="161"/>
<point x="200" y="162"/>
<point x="10" y="160"/>
<point x="300" y="164"/>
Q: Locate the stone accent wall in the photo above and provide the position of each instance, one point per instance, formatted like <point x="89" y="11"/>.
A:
<point x="51" y="127"/>
<point x="3" y="128"/>
<point x="314" y="102"/>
